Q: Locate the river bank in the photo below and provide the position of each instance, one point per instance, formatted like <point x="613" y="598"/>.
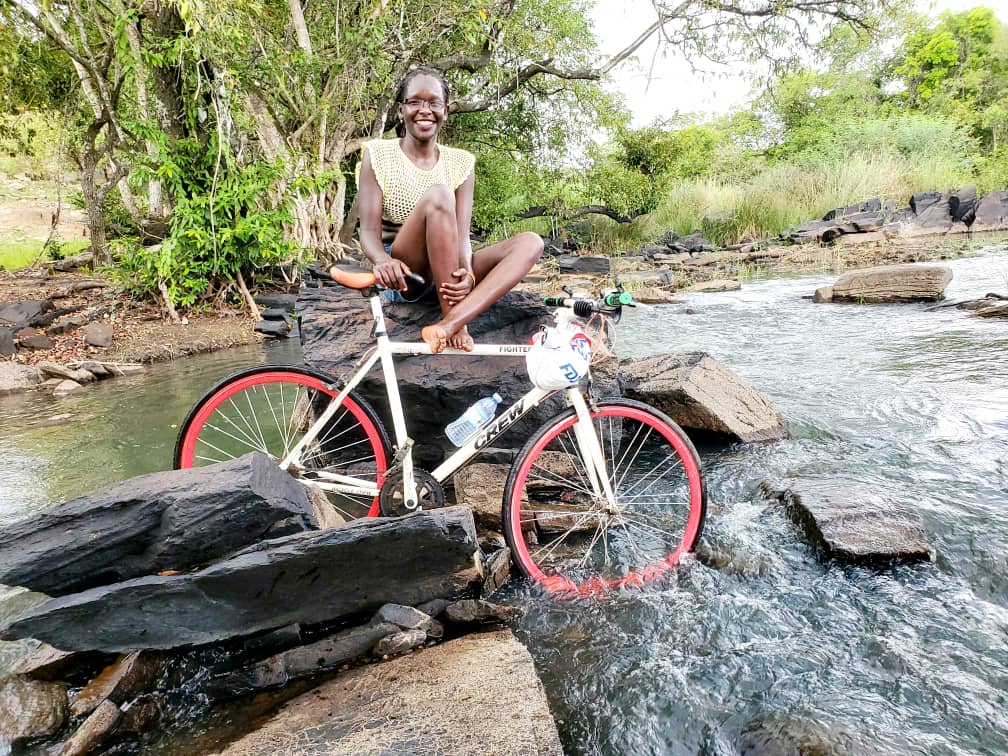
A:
<point x="140" y="334"/>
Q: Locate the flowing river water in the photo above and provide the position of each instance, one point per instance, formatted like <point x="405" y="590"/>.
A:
<point x="773" y="645"/>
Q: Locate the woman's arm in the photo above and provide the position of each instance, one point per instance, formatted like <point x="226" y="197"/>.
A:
<point x="463" y="215"/>
<point x="389" y="271"/>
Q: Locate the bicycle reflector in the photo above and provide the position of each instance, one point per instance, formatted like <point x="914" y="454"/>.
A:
<point x="558" y="358"/>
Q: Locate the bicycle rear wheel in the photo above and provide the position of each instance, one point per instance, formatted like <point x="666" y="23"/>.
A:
<point x="570" y="540"/>
<point x="268" y="409"/>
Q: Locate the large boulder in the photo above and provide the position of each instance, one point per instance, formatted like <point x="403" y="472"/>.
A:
<point x="15" y="377"/>
<point x="336" y="331"/>
<point x="992" y="212"/>
<point x="853" y="522"/>
<point x="166" y="520"/>
<point x="473" y="695"/>
<point x="700" y="393"/>
<point x="309" y="577"/>
<point x="893" y="283"/>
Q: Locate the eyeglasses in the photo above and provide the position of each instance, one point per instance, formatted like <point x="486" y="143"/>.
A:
<point x="415" y="103"/>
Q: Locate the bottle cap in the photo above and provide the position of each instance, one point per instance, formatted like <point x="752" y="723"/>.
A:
<point x="497" y="398"/>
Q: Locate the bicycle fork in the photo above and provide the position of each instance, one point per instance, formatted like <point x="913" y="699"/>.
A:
<point x="588" y="441"/>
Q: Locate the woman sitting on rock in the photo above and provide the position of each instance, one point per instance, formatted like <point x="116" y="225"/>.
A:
<point x="415" y="201"/>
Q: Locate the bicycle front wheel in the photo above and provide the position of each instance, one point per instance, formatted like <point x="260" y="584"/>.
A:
<point x="268" y="409"/>
<point x="568" y="538"/>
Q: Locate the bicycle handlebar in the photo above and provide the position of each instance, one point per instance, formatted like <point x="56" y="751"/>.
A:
<point x="610" y="301"/>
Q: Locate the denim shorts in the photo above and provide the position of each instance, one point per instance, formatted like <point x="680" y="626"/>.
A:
<point x="413" y="293"/>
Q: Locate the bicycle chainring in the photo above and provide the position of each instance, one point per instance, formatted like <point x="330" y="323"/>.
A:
<point x="390" y="497"/>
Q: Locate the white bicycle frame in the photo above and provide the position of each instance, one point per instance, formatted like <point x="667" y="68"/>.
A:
<point x="384" y="352"/>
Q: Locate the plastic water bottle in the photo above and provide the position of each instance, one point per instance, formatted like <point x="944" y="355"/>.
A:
<point x="461" y="430"/>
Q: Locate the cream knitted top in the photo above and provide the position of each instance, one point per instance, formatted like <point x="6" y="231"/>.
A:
<point x="403" y="183"/>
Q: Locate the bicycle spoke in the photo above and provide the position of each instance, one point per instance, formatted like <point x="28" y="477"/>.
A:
<point x="587" y="542"/>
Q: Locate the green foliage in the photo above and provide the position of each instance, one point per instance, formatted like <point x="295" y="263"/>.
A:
<point x="221" y="222"/>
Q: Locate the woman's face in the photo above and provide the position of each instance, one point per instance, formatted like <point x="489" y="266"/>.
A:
<point x="423" y="108"/>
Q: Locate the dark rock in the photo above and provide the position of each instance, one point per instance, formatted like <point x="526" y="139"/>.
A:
<point x="97" y="369"/>
<point x="992" y="212"/>
<point x="471" y="695"/>
<point x="864" y="222"/>
<point x="274" y="640"/>
<point x="853" y="522"/>
<point x="553" y="247"/>
<point x="963" y="205"/>
<point x="335" y="332"/>
<point x="166" y="520"/>
<point x="7" y="347"/>
<point x="692" y="243"/>
<point x="119" y="682"/>
<point x="823" y="294"/>
<point x="498" y="570"/>
<point x="652" y="250"/>
<point x="303" y="661"/>
<point x="596" y="265"/>
<point x="399" y="643"/>
<point x="22" y="313"/>
<point x="892" y="283"/>
<point x="312" y="577"/>
<point x="285" y="302"/>
<point x="276" y="313"/>
<point x="470" y="611"/>
<point x="98" y="334"/>
<point x="698" y="392"/>
<point x="921" y="201"/>
<point x="272" y="328"/>
<point x="31" y="708"/>
<point x="100" y="724"/>
<point x="29" y="338"/>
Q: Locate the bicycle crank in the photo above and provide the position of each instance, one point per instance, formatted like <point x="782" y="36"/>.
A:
<point x="390" y="497"/>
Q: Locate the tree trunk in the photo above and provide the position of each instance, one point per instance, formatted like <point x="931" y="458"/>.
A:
<point x="92" y="206"/>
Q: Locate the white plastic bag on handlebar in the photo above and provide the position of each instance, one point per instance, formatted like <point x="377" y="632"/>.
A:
<point x="559" y="357"/>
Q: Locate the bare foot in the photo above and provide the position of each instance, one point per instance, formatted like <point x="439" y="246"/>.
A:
<point x="436" y="337"/>
<point x="461" y="340"/>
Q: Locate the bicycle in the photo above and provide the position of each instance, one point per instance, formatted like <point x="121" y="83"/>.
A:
<point x="607" y="493"/>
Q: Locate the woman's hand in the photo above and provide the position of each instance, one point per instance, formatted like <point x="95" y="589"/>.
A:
<point x="455" y="291"/>
<point x="391" y="273"/>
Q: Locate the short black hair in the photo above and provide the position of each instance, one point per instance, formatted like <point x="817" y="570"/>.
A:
<point x="422" y="71"/>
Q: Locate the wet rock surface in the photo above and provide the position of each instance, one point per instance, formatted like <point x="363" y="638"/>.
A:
<point x="335" y="332"/>
<point x="307" y="577"/>
<point x="892" y="283"/>
<point x="851" y="522"/>
<point x="472" y="695"/>
<point x="167" y="520"/>
<point x="700" y="393"/>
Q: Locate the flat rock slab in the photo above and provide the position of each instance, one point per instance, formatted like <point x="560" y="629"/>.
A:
<point x="175" y="520"/>
<point x="311" y="577"/>
<point x="335" y="332"/>
<point x="850" y="522"/>
<point x="892" y="283"/>
<point x="700" y="393"/>
<point x="15" y="377"/>
<point x="475" y="695"/>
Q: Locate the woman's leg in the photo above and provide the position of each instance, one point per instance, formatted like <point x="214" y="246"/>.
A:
<point x="428" y="241"/>
<point x="498" y="268"/>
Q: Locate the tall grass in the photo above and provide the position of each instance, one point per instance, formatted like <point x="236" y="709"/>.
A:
<point x="779" y="197"/>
